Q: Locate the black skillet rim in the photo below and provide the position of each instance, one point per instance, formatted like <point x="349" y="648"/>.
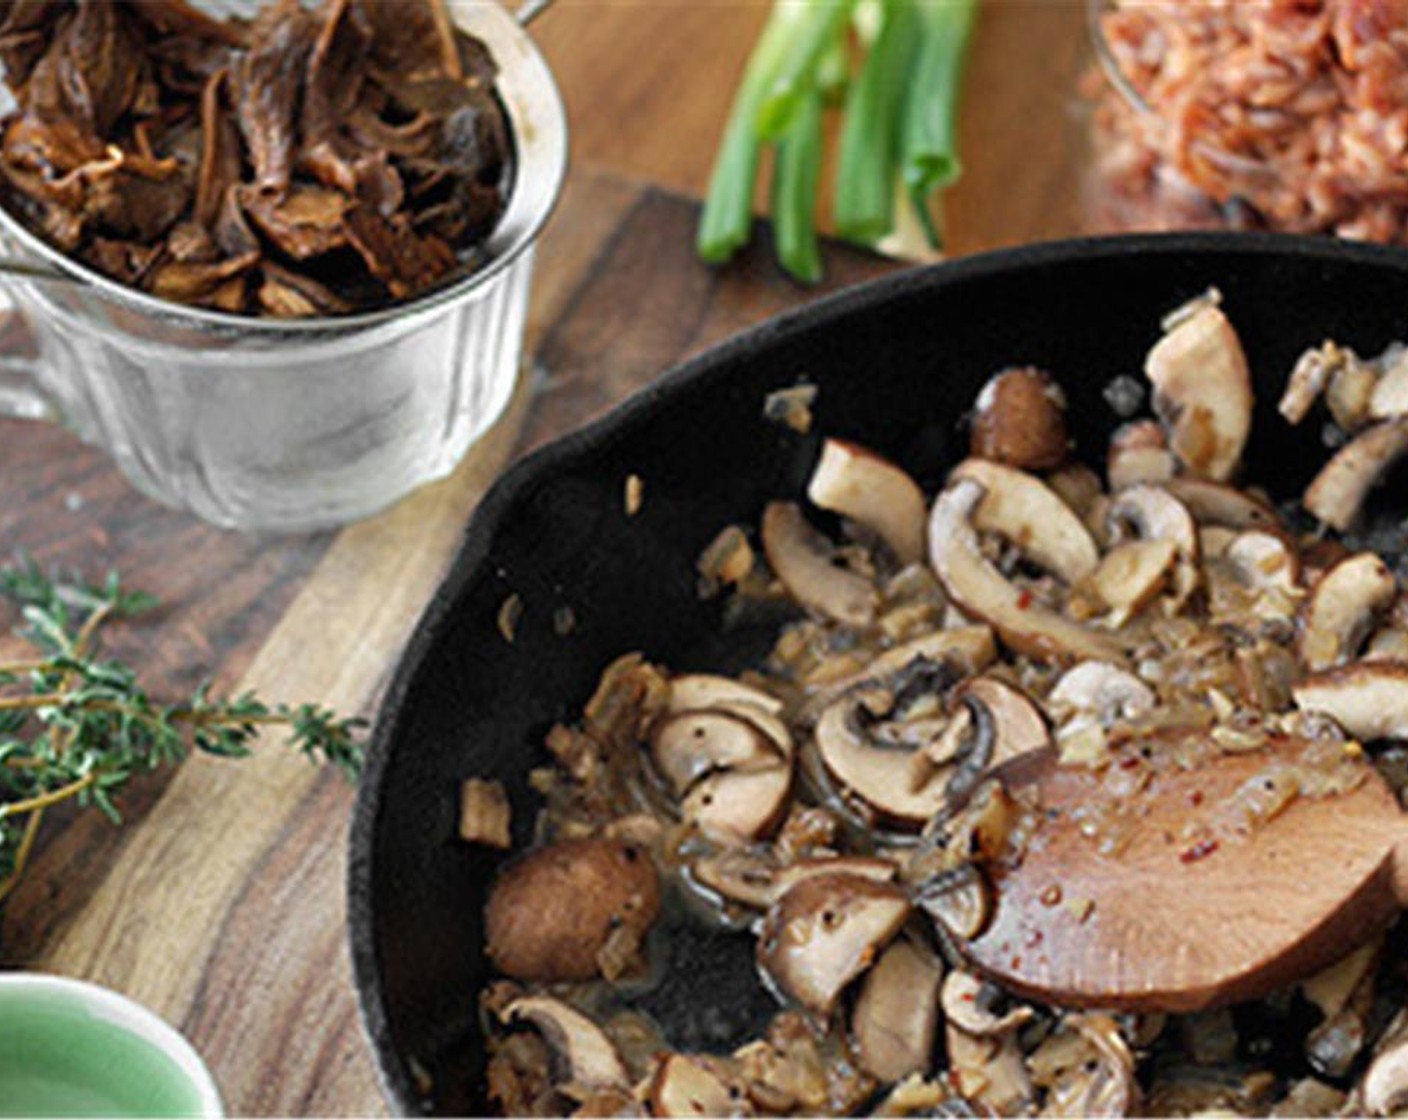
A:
<point x="393" y="1074"/>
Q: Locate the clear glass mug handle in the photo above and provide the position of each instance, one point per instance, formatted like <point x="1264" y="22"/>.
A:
<point x="20" y="395"/>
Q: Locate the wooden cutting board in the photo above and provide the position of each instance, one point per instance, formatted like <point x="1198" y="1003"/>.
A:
<point x="220" y="902"/>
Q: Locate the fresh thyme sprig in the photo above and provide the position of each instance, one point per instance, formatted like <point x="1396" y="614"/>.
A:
<point x="76" y="726"/>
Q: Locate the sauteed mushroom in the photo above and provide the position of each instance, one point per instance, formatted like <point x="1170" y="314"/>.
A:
<point x="804" y="561"/>
<point x="587" y="1057"/>
<point x="1203" y="392"/>
<point x="859" y="484"/>
<point x="978" y="587"/>
<point x="1337" y="493"/>
<point x="1020" y="420"/>
<point x="825" y="932"/>
<point x="1151" y="629"/>
<point x="551" y="913"/>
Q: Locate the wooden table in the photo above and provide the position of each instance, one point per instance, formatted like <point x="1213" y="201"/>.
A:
<point x="220" y="902"/>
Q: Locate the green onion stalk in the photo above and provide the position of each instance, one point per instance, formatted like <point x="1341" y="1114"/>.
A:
<point x="870" y="132"/>
<point x="796" y="177"/>
<point x="929" y="157"/>
<point x="779" y="80"/>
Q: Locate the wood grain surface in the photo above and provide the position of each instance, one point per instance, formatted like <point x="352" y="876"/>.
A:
<point x="220" y="902"/>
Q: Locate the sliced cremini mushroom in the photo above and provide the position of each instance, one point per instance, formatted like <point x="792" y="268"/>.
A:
<point x="694" y="744"/>
<point x="1215" y="503"/>
<point x="971" y="1004"/>
<point x="1369" y="700"/>
<point x="1020" y="419"/>
<point x="985" y="1060"/>
<point x="1155" y="514"/>
<point x="866" y="768"/>
<point x="1006" y="724"/>
<point x="967" y="648"/>
<point x="1138" y="453"/>
<point x="744" y="876"/>
<point x="1337" y="494"/>
<point x="1203" y="392"/>
<point x="587" y="1058"/>
<point x="1102" y="690"/>
<point x="683" y="1085"/>
<point x="1131" y="575"/>
<point x="1080" y="488"/>
<point x="1104" y="1085"/>
<point x="1308" y="380"/>
<point x="867" y="488"/>
<point x="691" y="692"/>
<point x="732" y="806"/>
<point x="1384" y="1090"/>
<point x="1265" y="560"/>
<point x="896" y="1017"/>
<point x="804" y="561"/>
<point x="957" y="899"/>
<point x="1390" y="394"/>
<point x="1342" y="610"/>
<point x="825" y="932"/>
<point x="1388" y="644"/>
<point x="980" y="589"/>
<point x="551" y="912"/>
<point x="1022" y="509"/>
<point x="1350" y="393"/>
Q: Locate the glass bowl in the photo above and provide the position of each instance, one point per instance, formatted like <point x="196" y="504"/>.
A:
<point x="297" y="424"/>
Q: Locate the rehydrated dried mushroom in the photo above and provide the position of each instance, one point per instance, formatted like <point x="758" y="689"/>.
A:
<point x="551" y="913"/>
<point x="307" y="163"/>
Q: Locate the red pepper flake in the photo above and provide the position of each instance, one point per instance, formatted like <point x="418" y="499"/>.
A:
<point x="1024" y="600"/>
<point x="1196" y="797"/>
<point x="1200" y="850"/>
<point x="1129" y="762"/>
<point x="1016" y="962"/>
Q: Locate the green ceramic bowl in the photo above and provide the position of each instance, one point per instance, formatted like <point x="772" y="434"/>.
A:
<point x="73" y="1049"/>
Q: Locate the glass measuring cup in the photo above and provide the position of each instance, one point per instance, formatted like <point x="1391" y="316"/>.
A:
<point x="296" y="425"/>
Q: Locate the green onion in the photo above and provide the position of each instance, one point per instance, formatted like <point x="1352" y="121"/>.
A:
<point x="929" y="148"/>
<point x="728" y="210"/>
<point x="796" y="176"/>
<point x="813" y="26"/>
<point x="870" y="134"/>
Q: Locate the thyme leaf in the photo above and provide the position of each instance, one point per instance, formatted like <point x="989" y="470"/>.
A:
<point x="76" y="726"/>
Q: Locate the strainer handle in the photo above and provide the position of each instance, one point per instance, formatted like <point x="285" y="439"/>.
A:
<point x="20" y="396"/>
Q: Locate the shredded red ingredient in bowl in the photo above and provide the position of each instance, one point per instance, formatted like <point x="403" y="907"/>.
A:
<point x="1286" y="114"/>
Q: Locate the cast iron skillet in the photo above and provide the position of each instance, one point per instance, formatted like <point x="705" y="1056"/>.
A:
<point x="897" y="363"/>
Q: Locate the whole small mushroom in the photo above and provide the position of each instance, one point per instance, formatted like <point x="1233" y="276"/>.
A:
<point x="1020" y="420"/>
<point x="551" y="913"/>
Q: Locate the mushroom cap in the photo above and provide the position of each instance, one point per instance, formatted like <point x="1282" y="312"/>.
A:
<point x="802" y="559"/>
<point x="825" y="932"/>
<point x="867" y="488"/>
<point x="1138" y="453"/>
<point x="550" y="912"/>
<point x="1020" y="420"/>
